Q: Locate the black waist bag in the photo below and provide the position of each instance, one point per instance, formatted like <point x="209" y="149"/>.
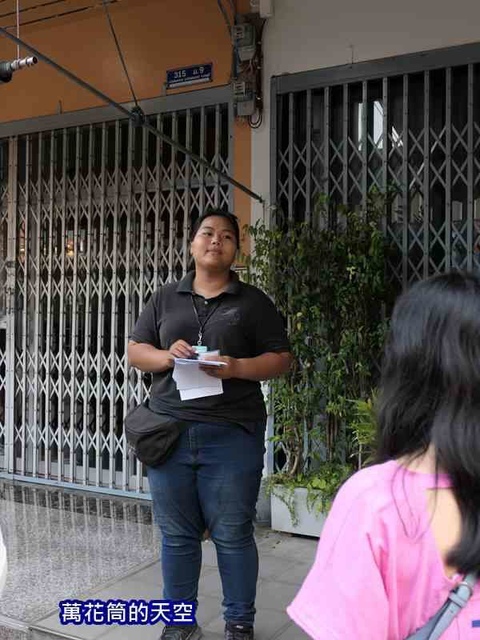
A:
<point x="153" y="436"/>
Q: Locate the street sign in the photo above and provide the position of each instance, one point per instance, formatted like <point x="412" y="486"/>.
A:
<point x="189" y="75"/>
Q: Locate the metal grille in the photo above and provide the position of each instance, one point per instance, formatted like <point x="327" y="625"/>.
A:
<point x="102" y="217"/>
<point x="416" y="134"/>
<point x="410" y="126"/>
<point x="3" y="284"/>
<point x="3" y="225"/>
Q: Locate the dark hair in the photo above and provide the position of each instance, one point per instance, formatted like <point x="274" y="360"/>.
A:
<point x="430" y="392"/>
<point x="220" y="213"/>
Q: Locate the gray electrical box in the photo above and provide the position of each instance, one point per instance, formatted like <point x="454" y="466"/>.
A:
<point x="244" y="41"/>
<point x="244" y="98"/>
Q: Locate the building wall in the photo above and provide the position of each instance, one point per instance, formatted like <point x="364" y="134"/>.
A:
<point x="308" y="34"/>
<point x="155" y="35"/>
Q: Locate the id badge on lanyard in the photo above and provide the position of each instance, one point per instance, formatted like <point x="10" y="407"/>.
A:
<point x="200" y="348"/>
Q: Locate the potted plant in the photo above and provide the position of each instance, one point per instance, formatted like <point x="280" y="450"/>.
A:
<point x="327" y="276"/>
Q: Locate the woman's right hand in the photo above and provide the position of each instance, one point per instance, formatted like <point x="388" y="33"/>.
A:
<point x="181" y="349"/>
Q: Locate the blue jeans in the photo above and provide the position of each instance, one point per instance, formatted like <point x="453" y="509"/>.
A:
<point x="211" y="481"/>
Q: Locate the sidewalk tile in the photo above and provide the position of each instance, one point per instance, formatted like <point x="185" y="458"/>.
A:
<point x="295" y="574"/>
<point x="275" y="595"/>
<point x="210" y="584"/>
<point x="209" y="608"/>
<point x="271" y="566"/>
<point x="83" y="632"/>
<point x="209" y="554"/>
<point x="292" y="632"/>
<point x="299" y="549"/>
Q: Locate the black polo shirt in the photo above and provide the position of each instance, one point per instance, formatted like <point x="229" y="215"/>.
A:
<point x="242" y="322"/>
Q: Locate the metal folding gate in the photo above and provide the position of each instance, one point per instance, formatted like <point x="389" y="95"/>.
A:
<point x="92" y="219"/>
<point x="409" y="124"/>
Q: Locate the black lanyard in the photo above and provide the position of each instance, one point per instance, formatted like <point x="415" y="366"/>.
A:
<point x="201" y="325"/>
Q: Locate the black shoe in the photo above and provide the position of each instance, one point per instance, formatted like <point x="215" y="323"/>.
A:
<point x="237" y="631"/>
<point x="181" y="632"/>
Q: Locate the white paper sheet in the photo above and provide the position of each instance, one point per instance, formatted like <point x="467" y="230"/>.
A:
<point x="200" y="392"/>
<point x="191" y="361"/>
<point x="192" y="382"/>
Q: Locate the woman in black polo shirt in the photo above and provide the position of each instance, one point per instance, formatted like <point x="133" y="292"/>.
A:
<point x="211" y="481"/>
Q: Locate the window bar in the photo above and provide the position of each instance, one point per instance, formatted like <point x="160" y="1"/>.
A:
<point x="326" y="144"/>
<point x="291" y="163"/>
<point x="75" y="393"/>
<point x="426" y="173"/>
<point x="108" y="434"/>
<point x="470" y="178"/>
<point x="26" y="416"/>
<point x="187" y="200"/>
<point x="202" y="155"/>
<point x="405" y="207"/>
<point x="163" y="253"/>
<point x="216" y="161"/>
<point x="345" y="146"/>
<point x="106" y="209"/>
<point x="448" y="170"/>
<point x="157" y="236"/>
<point x="120" y="207"/>
<point x="386" y="147"/>
<point x="48" y="344"/>
<point x="10" y="417"/>
<point x="74" y="387"/>
<point x="172" y="242"/>
<point x="61" y="392"/>
<point x="132" y="386"/>
<point x="89" y="388"/>
<point x="308" y="159"/>
<point x="76" y="320"/>
<point x="143" y="244"/>
<point x="230" y="144"/>
<point x="275" y="119"/>
<point x="37" y="309"/>
<point x="365" y="142"/>
<point x="127" y="457"/>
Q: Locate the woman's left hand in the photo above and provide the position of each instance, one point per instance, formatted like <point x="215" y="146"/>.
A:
<point x="230" y="370"/>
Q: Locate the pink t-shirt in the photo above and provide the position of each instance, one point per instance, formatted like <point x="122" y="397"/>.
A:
<point x="378" y="574"/>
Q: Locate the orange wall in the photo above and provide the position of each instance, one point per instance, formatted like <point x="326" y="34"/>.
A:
<point x="242" y="169"/>
<point x="155" y="35"/>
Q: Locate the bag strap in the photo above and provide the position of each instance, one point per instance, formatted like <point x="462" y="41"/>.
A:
<point x="456" y="601"/>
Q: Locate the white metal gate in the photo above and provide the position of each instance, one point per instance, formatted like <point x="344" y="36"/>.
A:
<point x="92" y="219"/>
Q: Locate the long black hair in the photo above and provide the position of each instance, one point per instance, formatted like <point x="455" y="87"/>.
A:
<point x="430" y="392"/>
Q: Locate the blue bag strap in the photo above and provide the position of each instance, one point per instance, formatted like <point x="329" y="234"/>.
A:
<point x="456" y="601"/>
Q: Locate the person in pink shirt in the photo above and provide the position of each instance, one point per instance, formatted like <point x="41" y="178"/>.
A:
<point x="403" y="532"/>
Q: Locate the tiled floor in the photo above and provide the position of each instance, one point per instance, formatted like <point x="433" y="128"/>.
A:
<point x="63" y="545"/>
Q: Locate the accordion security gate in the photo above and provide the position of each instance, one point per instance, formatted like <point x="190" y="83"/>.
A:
<point x="92" y="219"/>
<point x="409" y="125"/>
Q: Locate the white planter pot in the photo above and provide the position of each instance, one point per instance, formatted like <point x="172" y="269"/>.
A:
<point x="309" y="523"/>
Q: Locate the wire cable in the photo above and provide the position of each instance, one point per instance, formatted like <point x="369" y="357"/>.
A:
<point x="119" y="50"/>
<point x="225" y="16"/>
<point x="131" y="115"/>
<point x="18" y="27"/>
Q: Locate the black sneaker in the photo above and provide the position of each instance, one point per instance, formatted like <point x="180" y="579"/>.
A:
<point x="181" y="632"/>
<point x="238" y="631"/>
